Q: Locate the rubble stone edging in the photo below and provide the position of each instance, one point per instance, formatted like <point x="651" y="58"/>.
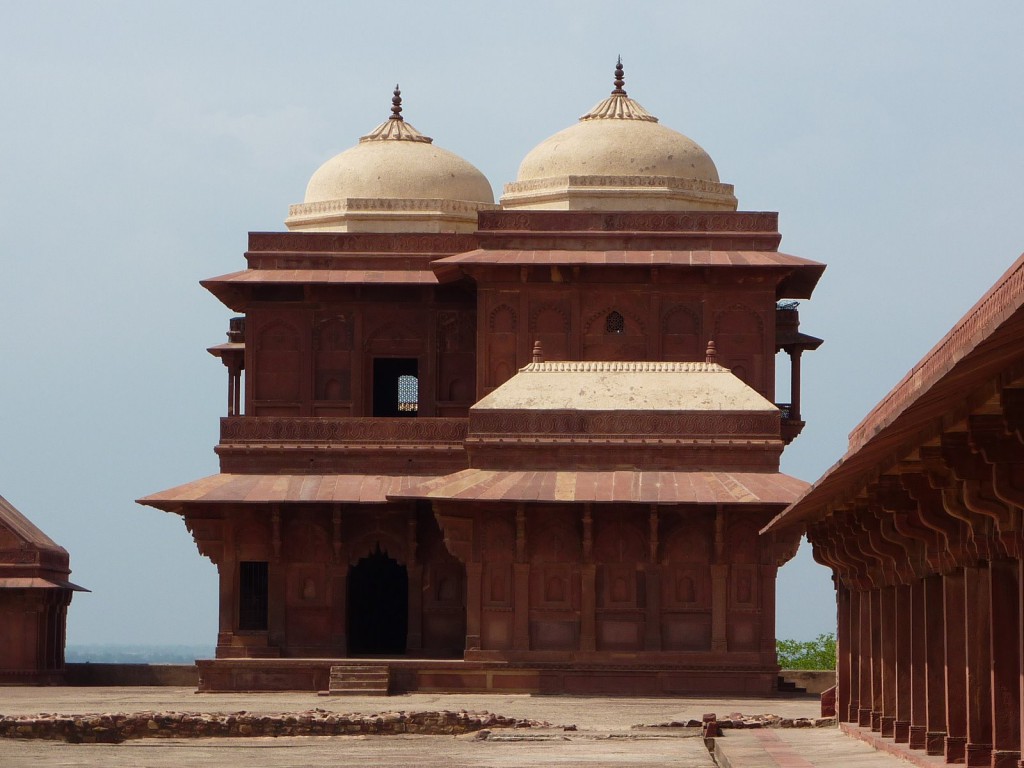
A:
<point x="113" y="728"/>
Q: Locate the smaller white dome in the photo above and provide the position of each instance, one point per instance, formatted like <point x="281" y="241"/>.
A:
<point x="394" y="179"/>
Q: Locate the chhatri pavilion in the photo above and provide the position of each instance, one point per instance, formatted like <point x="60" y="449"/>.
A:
<point x="524" y="446"/>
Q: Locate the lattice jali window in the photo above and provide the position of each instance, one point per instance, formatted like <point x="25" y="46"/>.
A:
<point x="614" y="323"/>
<point x="408" y="394"/>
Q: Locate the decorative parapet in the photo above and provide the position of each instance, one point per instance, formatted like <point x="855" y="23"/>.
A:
<point x="277" y="430"/>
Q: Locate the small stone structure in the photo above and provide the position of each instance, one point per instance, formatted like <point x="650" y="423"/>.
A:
<point x="34" y="598"/>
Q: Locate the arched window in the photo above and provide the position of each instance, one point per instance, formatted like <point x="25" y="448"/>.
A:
<point x="614" y="323"/>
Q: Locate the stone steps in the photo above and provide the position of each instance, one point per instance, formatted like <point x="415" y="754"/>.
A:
<point x="786" y="686"/>
<point x="359" y="680"/>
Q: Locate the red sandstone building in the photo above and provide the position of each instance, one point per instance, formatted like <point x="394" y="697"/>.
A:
<point x="493" y="443"/>
<point x="34" y="599"/>
<point x="920" y="522"/>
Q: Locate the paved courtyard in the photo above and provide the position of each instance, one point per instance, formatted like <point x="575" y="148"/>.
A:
<point x="604" y="734"/>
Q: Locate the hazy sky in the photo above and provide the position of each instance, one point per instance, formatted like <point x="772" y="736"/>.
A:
<point x="140" y="142"/>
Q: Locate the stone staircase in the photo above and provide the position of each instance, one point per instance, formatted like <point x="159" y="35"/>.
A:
<point x="783" y="686"/>
<point x="359" y="680"/>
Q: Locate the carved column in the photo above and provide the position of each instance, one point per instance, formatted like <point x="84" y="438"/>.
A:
<point x="876" y="660"/>
<point x="521" y="618"/>
<point x="902" y="626"/>
<point x="864" y="623"/>
<point x="474" y="577"/>
<point x="652" y="576"/>
<point x="277" y="588"/>
<point x="843" y="650"/>
<point x="853" y="633"/>
<point x="978" y="667"/>
<point x="918" y="677"/>
<point x="1005" y="639"/>
<point x="794" y="383"/>
<point x="588" y="587"/>
<point x="887" y="656"/>
<point x="719" y="588"/>
<point x="414" y="635"/>
<point x="956" y="667"/>
<point x="935" y="665"/>
<point x="228" y="570"/>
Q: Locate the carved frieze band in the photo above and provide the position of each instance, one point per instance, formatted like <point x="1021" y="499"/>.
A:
<point x="262" y="429"/>
<point x="697" y="221"/>
<point x="677" y="425"/>
<point x="359" y="242"/>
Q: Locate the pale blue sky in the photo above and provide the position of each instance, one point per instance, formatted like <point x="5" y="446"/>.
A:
<point x="140" y="142"/>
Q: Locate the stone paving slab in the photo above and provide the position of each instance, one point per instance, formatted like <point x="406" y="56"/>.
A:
<point x="799" y="748"/>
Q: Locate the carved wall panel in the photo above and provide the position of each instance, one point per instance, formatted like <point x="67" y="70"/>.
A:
<point x="501" y="345"/>
<point x="456" y="346"/>
<point x="739" y="338"/>
<point x="681" y="336"/>
<point x="614" y="333"/>
<point x="550" y="325"/>
<point x="277" y="366"/>
<point x="332" y="359"/>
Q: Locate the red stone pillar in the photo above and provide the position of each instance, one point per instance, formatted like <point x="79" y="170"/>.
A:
<point x="864" y="624"/>
<point x="853" y="633"/>
<point x="652" y="611"/>
<point x="521" y="627"/>
<point x="588" y="607"/>
<point x="887" y="657"/>
<point x="918" y="655"/>
<point x="979" y="667"/>
<point x="935" y="665"/>
<point x="842" y="651"/>
<point x="414" y="634"/>
<point x="956" y="667"/>
<point x="902" y="627"/>
<point x="1005" y="639"/>
<point x="719" y="606"/>
<point x="474" y="575"/>
<point x="876" y="660"/>
<point x="767" y="607"/>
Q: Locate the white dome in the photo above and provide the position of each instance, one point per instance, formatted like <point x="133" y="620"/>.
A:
<point x="618" y="157"/>
<point x="394" y="179"/>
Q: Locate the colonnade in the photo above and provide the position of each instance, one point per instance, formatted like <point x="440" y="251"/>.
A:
<point x="930" y="592"/>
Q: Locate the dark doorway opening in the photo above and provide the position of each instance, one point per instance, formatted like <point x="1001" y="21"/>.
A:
<point x="395" y="386"/>
<point x="378" y="606"/>
<point x="253" y="593"/>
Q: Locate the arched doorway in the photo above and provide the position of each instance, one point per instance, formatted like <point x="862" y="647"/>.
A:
<point x="378" y="606"/>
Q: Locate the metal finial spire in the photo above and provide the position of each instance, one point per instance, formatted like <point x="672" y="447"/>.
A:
<point x="619" y="81"/>
<point x="396" y="105"/>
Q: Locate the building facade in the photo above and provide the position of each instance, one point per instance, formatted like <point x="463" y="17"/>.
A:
<point x="525" y="446"/>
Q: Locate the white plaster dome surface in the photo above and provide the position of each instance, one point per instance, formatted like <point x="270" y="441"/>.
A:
<point x="618" y="147"/>
<point x="618" y="157"/>
<point x="394" y="180"/>
<point x="398" y="169"/>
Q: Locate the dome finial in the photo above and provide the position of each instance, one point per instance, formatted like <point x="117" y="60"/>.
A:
<point x="619" y="80"/>
<point x="396" y="105"/>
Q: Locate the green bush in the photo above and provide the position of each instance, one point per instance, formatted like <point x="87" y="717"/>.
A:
<point x="819" y="653"/>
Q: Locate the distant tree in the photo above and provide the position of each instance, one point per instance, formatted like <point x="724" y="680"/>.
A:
<point x="819" y="653"/>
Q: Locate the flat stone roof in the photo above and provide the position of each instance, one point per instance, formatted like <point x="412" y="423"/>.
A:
<point x="625" y="386"/>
